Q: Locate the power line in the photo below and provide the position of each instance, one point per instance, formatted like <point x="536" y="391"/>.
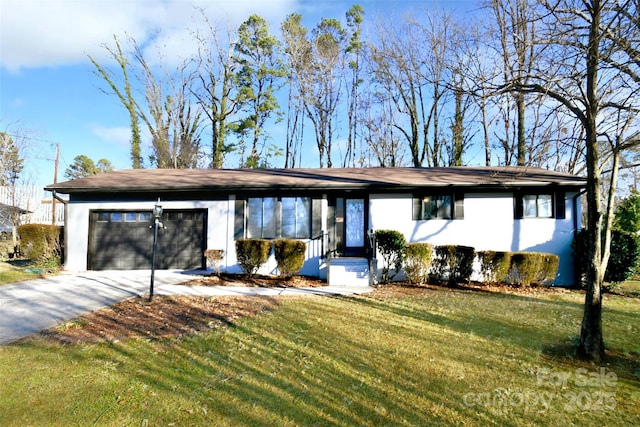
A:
<point x="31" y="138"/>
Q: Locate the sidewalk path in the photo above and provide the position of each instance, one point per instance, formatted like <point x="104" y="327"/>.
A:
<point x="30" y="307"/>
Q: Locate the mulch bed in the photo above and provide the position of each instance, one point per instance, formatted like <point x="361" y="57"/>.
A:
<point x="257" y="280"/>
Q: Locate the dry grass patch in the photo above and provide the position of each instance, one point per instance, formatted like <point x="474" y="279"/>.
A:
<point x="165" y="316"/>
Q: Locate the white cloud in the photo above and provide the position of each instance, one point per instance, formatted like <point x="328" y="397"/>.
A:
<point x="119" y="136"/>
<point x="38" y="33"/>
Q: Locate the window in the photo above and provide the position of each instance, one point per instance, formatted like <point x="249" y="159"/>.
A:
<point x="261" y="218"/>
<point x="120" y="216"/>
<point x="438" y="206"/>
<point x="103" y="216"/>
<point x="540" y="205"/>
<point x="537" y="206"/>
<point x="296" y="216"/>
<point x="272" y="217"/>
<point x="145" y="216"/>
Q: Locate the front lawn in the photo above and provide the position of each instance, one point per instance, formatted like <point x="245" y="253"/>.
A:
<point x="17" y="271"/>
<point x="629" y="288"/>
<point x="394" y="357"/>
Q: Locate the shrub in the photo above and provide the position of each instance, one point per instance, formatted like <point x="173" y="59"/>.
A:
<point x="494" y="266"/>
<point x="252" y="253"/>
<point x="627" y="214"/>
<point x="214" y="257"/>
<point x="623" y="262"/>
<point x="290" y="255"/>
<point x="453" y="262"/>
<point x="41" y="243"/>
<point x="532" y="268"/>
<point x="418" y="262"/>
<point x="392" y="246"/>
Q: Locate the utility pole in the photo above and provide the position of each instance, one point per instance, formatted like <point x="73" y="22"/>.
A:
<point x="55" y="181"/>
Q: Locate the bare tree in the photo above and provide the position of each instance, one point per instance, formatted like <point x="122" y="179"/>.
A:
<point x="171" y="117"/>
<point x="392" y="62"/>
<point x="216" y="91"/>
<point x="516" y="28"/>
<point x="124" y="94"/>
<point x="317" y="64"/>
<point x="419" y="64"/>
<point x="441" y="36"/>
<point x="355" y="51"/>
<point x="298" y="53"/>
<point x="173" y="120"/>
<point x="382" y="140"/>
<point x="579" y="76"/>
<point x="11" y="166"/>
<point x="479" y="72"/>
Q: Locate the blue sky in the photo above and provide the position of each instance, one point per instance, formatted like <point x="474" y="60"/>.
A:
<point x="47" y="85"/>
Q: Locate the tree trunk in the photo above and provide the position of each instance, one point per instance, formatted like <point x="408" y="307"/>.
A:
<point x="522" y="144"/>
<point x="591" y="344"/>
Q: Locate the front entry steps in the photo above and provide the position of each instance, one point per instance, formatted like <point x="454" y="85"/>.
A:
<point x="348" y="272"/>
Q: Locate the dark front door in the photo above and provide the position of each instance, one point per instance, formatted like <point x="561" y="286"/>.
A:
<point x="355" y="226"/>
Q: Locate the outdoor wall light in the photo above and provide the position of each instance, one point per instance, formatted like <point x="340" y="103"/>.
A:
<point x="157" y="211"/>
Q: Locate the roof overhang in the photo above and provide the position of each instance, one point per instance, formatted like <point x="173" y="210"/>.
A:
<point x="321" y="179"/>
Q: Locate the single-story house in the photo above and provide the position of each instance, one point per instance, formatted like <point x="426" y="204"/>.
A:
<point x="6" y="217"/>
<point x="333" y="210"/>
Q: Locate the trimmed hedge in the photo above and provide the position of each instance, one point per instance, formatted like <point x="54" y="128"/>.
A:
<point x="392" y="246"/>
<point x="290" y="255"/>
<point x="494" y="266"/>
<point x="41" y="243"/>
<point x="453" y="262"/>
<point x="532" y="268"/>
<point x="252" y="253"/>
<point x="418" y="262"/>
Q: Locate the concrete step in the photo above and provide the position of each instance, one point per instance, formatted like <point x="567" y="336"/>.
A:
<point x="348" y="272"/>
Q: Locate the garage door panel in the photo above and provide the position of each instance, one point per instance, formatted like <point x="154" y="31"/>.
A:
<point x="124" y="240"/>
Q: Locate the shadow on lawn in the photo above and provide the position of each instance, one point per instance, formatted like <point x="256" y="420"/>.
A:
<point x="625" y="365"/>
<point x="486" y="321"/>
<point x="292" y="369"/>
<point x="268" y="373"/>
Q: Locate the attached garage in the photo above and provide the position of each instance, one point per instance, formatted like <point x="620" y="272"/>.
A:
<point x="123" y="240"/>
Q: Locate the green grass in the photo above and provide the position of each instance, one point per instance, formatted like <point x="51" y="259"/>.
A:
<point x="19" y="270"/>
<point x="445" y="358"/>
<point x="629" y="288"/>
<point x="13" y="272"/>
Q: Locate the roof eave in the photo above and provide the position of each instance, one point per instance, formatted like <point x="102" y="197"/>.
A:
<point x="346" y="187"/>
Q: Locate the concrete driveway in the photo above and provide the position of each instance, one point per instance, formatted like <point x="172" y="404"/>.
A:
<point x="29" y="307"/>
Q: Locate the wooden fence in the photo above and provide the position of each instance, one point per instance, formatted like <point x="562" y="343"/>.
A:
<point x="38" y="202"/>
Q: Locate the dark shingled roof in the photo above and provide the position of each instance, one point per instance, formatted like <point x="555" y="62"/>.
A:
<point x="8" y="208"/>
<point x="386" y="179"/>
